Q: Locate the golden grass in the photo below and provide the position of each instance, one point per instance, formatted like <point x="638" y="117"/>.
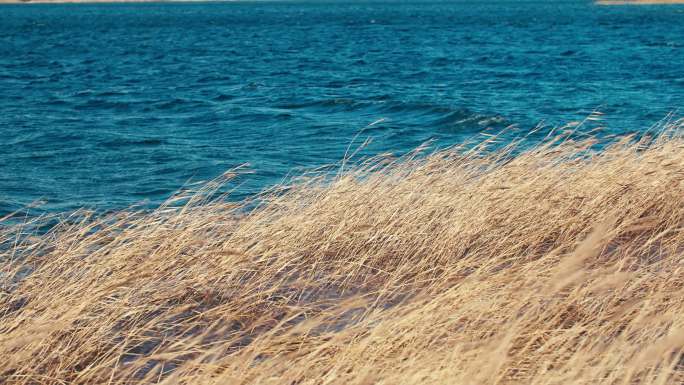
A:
<point x="559" y="265"/>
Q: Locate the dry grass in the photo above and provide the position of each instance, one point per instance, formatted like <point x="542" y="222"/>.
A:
<point x="556" y="266"/>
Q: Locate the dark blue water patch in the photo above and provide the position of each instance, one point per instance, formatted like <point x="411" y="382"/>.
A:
<point x="108" y="105"/>
<point x="223" y="97"/>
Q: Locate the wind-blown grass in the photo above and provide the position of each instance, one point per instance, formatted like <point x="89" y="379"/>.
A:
<point x="559" y="265"/>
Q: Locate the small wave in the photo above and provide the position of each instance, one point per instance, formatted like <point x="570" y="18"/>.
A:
<point x="131" y="142"/>
<point x="110" y="93"/>
<point x="57" y="102"/>
<point x="213" y="79"/>
<point x="443" y="61"/>
<point x="223" y="98"/>
<point x="418" y="75"/>
<point x="179" y="104"/>
<point x="413" y="107"/>
<point x="669" y="44"/>
<point x="326" y="104"/>
<point x="152" y="192"/>
<point x="102" y="104"/>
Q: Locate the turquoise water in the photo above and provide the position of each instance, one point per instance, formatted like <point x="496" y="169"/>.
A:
<point x="108" y="105"/>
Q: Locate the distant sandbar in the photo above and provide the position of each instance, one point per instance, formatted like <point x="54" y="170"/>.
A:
<point x="87" y="1"/>
<point x="638" y="2"/>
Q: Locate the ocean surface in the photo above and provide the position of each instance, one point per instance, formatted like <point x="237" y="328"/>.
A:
<point x="109" y="105"/>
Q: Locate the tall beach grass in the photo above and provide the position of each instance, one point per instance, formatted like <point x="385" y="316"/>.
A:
<point x="556" y="264"/>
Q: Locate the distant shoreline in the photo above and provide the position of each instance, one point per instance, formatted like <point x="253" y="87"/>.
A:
<point x="71" y="1"/>
<point x="104" y="1"/>
<point x="598" y="2"/>
<point x="638" y="2"/>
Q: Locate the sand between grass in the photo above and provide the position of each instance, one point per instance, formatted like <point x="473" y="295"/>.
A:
<point x="557" y="265"/>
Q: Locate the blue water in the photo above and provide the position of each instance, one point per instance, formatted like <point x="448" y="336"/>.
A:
<point x="108" y="105"/>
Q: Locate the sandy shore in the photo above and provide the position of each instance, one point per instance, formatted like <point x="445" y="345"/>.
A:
<point x="86" y="1"/>
<point x="638" y="2"/>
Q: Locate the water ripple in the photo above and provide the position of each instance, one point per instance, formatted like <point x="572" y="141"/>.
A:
<point x="106" y="105"/>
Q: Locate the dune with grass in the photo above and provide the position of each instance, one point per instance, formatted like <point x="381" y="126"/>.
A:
<point x="556" y="264"/>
